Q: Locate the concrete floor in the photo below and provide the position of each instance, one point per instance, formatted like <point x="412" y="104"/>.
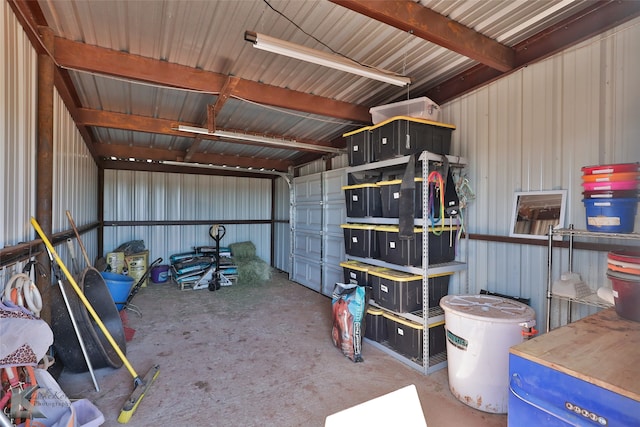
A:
<point x="253" y="355"/>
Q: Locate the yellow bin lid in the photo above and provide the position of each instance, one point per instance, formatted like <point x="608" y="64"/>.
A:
<point x="358" y="226"/>
<point x="412" y="119"/>
<point x="353" y="132"/>
<point x="395" y="275"/>
<point x="394" y="182"/>
<point x="375" y="311"/>
<point x="352" y="187"/>
<point x="402" y="276"/>
<point x="396" y="229"/>
<point x="402" y="321"/>
<point x="356" y="265"/>
<point x="409" y="323"/>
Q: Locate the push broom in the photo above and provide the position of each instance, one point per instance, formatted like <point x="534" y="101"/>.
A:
<point x="141" y="385"/>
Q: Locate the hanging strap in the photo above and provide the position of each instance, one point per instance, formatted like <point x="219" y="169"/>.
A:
<point x="407" y="202"/>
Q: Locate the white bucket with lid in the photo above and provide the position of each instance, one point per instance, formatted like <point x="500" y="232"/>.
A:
<point x="480" y="329"/>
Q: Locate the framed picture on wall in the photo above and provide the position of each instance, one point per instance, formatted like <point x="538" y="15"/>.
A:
<point x="534" y="211"/>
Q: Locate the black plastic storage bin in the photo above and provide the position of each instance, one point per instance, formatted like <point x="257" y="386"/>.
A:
<point x="359" y="146"/>
<point x="375" y="327"/>
<point x="396" y="290"/>
<point x="362" y="200"/>
<point x="360" y="240"/>
<point x="405" y="337"/>
<point x="356" y="272"/>
<point x="442" y="247"/>
<point x="402" y="292"/>
<point x="390" y="198"/>
<point x="402" y="136"/>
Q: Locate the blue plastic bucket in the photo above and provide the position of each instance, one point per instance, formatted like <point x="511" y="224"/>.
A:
<point x="611" y="215"/>
<point x="119" y="287"/>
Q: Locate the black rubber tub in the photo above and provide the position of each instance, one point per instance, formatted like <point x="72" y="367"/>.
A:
<point x="67" y="348"/>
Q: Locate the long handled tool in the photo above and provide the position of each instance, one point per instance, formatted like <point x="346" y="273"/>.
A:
<point x="75" y="230"/>
<point x="73" y="321"/>
<point x="72" y="253"/>
<point x="141" y="386"/>
<point x="136" y="288"/>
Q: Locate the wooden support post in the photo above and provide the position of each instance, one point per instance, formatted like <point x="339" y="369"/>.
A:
<point x="44" y="169"/>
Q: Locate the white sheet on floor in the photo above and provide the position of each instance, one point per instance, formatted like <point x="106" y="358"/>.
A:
<point x="398" y="408"/>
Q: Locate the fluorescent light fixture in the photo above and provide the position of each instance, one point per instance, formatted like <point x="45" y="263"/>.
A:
<point x="224" y="167"/>
<point x="337" y="62"/>
<point x="285" y="143"/>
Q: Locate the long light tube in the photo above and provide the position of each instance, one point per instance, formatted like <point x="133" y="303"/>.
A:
<point x="337" y="62"/>
<point x="286" y="143"/>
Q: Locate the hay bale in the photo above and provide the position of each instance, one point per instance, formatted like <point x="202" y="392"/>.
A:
<point x="242" y="250"/>
<point x="252" y="270"/>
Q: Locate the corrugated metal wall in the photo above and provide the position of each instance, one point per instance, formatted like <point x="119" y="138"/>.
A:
<point x="75" y="172"/>
<point x="534" y="130"/>
<point x="151" y="196"/>
<point x="18" y="125"/>
<point x="75" y="180"/>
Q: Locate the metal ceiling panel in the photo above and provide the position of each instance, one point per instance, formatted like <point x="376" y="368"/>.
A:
<point x="508" y="22"/>
<point x="138" y="98"/>
<point x="209" y="36"/>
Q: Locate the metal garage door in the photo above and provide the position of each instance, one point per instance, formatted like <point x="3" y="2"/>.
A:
<point x="318" y="246"/>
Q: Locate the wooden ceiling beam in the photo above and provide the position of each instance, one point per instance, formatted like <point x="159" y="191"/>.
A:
<point x="411" y="16"/>
<point x="134" y="123"/>
<point x="83" y="57"/>
<point x="186" y="169"/>
<point x="143" y="154"/>
<point x="107" y="119"/>
<point x="226" y="91"/>
<point x="193" y="148"/>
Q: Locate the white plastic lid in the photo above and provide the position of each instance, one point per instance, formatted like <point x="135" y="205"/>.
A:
<point x="488" y="308"/>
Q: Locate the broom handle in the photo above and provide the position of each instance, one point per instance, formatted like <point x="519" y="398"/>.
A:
<point x="84" y="300"/>
<point x="75" y="230"/>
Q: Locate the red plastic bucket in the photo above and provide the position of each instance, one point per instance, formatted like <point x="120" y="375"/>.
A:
<point x="613" y="168"/>
<point x="625" y="255"/>
<point x="626" y="295"/>
<point x="617" y="185"/>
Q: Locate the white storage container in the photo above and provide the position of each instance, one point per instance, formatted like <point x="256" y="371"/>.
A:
<point x="419" y="108"/>
<point x="479" y="330"/>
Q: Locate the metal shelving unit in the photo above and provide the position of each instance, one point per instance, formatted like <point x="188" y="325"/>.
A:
<point x="591" y="300"/>
<point x="427" y="318"/>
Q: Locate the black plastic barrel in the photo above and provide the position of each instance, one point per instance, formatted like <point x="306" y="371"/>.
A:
<point x="101" y="353"/>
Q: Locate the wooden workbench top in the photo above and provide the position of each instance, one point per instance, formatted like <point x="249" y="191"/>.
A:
<point x="602" y="349"/>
